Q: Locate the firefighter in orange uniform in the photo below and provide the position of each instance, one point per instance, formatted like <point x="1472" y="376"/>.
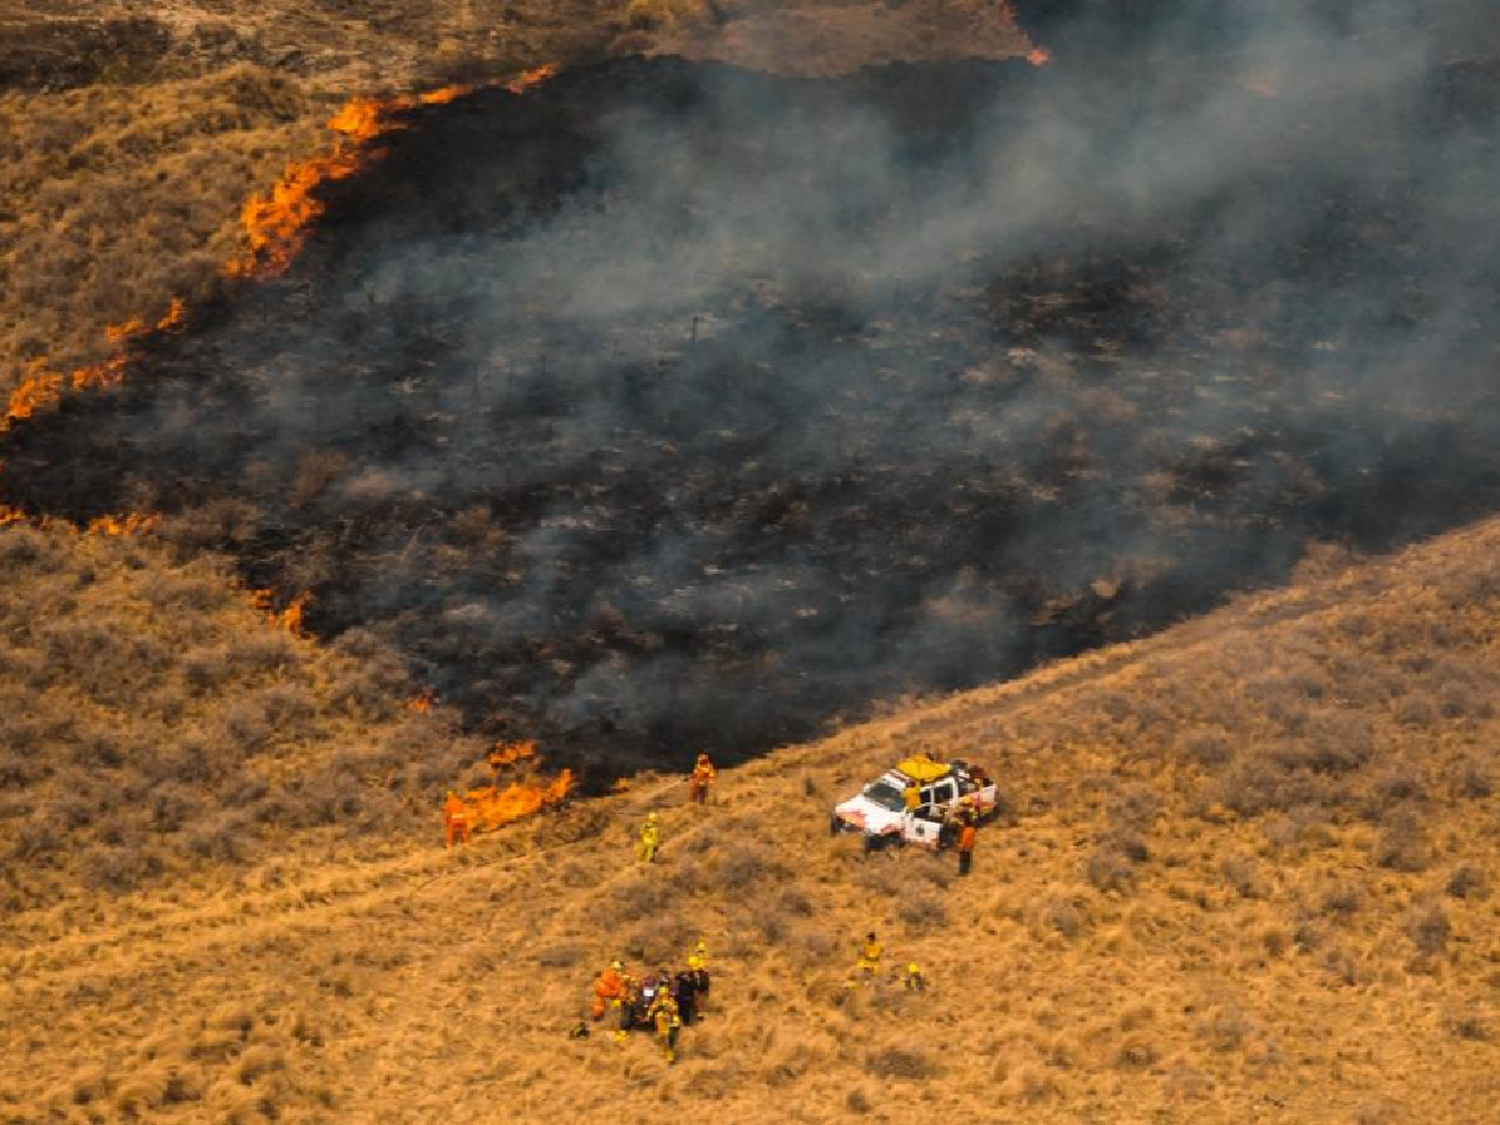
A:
<point x="609" y="990"/>
<point x="455" y="820"/>
<point x="701" y="780"/>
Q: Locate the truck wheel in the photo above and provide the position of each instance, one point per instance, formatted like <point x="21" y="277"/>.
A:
<point x="833" y="826"/>
<point x="871" y="844"/>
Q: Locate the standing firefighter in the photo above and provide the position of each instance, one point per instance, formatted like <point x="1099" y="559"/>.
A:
<point x="609" y="990"/>
<point x="697" y="972"/>
<point x="667" y="1021"/>
<point x="650" y="839"/>
<point x="968" y="836"/>
<point x="455" y="820"/>
<point x="867" y="965"/>
<point x="701" y="780"/>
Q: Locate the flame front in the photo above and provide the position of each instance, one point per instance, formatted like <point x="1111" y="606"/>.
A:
<point x="132" y="524"/>
<point x="421" y="703"/>
<point x="494" y="807"/>
<point x="509" y="753"/>
<point x="533" y="77"/>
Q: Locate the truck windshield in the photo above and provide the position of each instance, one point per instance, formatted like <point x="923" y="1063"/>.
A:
<point x="884" y="794"/>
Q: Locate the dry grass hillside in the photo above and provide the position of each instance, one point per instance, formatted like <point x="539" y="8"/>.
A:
<point x="1247" y="872"/>
<point x="158" y="724"/>
<point x="116" y="198"/>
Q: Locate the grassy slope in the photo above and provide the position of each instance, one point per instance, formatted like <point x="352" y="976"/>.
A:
<point x="157" y="724"/>
<point x="1247" y="876"/>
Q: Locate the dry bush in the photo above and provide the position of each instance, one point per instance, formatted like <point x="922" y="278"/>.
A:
<point x="1428" y="927"/>
<point x="1404" y="843"/>
<point x="1468" y="881"/>
<point x="1110" y="870"/>
<point x="905" y="1058"/>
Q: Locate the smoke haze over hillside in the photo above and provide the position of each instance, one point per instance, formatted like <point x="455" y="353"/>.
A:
<point x="672" y="405"/>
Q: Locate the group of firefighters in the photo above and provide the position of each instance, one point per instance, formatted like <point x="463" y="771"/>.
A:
<point x="662" y="1001"/>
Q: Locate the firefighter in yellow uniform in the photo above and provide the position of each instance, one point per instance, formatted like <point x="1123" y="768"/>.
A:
<point x="667" y="1021"/>
<point x="650" y="839"/>
<point x="868" y="962"/>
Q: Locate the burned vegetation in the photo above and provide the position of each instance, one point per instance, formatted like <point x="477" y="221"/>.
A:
<point x="671" y="406"/>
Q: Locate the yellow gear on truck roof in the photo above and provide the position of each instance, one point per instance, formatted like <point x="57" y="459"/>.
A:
<point x="923" y="769"/>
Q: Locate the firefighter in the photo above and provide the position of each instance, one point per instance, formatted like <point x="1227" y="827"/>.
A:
<point x="911" y="796"/>
<point x="868" y="961"/>
<point x="914" y="981"/>
<point x="701" y="780"/>
<point x="455" y="820"/>
<point x="968" y="836"/>
<point x="667" y="1021"/>
<point x="697" y="971"/>
<point x="650" y="839"/>
<point x="609" y="990"/>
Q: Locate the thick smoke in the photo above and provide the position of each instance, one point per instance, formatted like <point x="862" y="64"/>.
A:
<point x="675" y="405"/>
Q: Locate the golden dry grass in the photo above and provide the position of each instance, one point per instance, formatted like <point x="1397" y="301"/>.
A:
<point x="116" y="198"/>
<point x="157" y="724"/>
<point x="1190" y="912"/>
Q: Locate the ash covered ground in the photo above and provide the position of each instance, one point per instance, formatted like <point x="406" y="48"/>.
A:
<point x="672" y="406"/>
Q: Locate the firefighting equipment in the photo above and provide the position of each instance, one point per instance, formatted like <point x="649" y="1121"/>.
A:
<point x="650" y="839"/>
<point x="914" y="980"/>
<point x="455" y="820"/>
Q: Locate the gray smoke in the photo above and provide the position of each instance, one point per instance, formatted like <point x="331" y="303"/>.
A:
<point x="674" y="405"/>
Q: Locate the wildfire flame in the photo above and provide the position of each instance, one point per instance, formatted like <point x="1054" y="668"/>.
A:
<point x="509" y="753"/>
<point x="495" y="806"/>
<point x="534" y="77"/>
<point x="43" y="387"/>
<point x="1039" y="56"/>
<point x="421" y="703"/>
<point x="289" y="617"/>
<point x="277" y="226"/>
<point x="131" y="524"/>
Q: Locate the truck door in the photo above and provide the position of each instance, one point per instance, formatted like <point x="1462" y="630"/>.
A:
<point x="945" y="792"/>
<point x="922" y="826"/>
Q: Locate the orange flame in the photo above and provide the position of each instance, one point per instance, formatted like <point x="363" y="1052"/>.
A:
<point x="9" y="515"/>
<point x="289" y="617"/>
<point x="40" y="388"/>
<point x="1039" y="56"/>
<point x="509" y="753"/>
<point x="494" y="807"/>
<point x="131" y="524"/>
<point x="533" y="77"/>
<point x="277" y="226"/>
<point x="421" y="703"/>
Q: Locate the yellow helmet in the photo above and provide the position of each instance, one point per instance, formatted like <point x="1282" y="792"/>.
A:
<point x="651" y="815"/>
<point x="702" y="946"/>
<point x="616" y="965"/>
<point x="912" y="969"/>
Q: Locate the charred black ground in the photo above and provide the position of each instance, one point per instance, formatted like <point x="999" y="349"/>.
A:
<point x="672" y="406"/>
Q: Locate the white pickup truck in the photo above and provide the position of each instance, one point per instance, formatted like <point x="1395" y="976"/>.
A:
<point x="884" y="815"/>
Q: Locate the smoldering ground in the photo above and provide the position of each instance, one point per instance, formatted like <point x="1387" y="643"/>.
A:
<point x="672" y="406"/>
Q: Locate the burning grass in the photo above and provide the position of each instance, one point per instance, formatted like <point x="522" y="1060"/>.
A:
<point x="635" y="515"/>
